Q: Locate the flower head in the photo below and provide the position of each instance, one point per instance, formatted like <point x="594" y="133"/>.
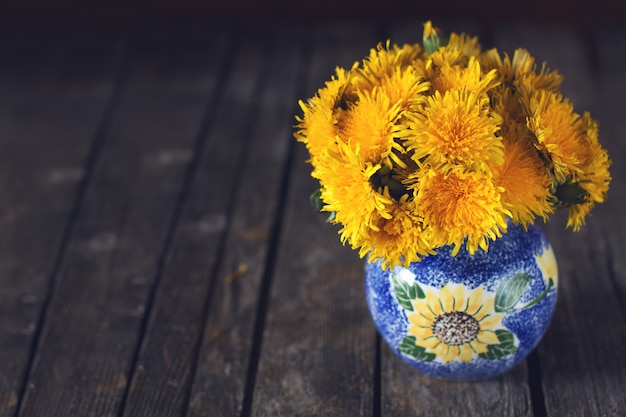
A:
<point x="523" y="178"/>
<point x="455" y="129"/>
<point x="462" y="207"/>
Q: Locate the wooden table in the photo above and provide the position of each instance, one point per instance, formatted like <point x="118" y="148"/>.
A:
<point x="159" y="257"/>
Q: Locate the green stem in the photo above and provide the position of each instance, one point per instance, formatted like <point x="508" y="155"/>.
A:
<point x="540" y="296"/>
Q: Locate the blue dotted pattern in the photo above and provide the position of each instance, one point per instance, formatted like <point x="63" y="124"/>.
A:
<point x="507" y="256"/>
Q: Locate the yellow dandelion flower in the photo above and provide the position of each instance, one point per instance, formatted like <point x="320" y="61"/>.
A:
<point x="467" y="45"/>
<point x="456" y="128"/>
<point x="344" y="178"/>
<point x="521" y="66"/>
<point x="595" y="178"/>
<point x="381" y="63"/>
<point x="523" y="178"/>
<point x="560" y="134"/>
<point x="399" y="240"/>
<point x="577" y="214"/>
<point x="406" y="88"/>
<point x="318" y="126"/>
<point x="370" y="123"/>
<point x="461" y="207"/>
<point x="455" y="323"/>
<point x="469" y="77"/>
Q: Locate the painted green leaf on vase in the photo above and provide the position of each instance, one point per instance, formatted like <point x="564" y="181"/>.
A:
<point x="510" y="291"/>
<point x="405" y="292"/>
<point x="506" y="346"/>
<point x="408" y="347"/>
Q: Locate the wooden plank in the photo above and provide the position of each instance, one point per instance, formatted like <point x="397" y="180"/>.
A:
<point x="405" y="391"/>
<point x="318" y="347"/>
<point x="580" y="372"/>
<point x="96" y="312"/>
<point x="226" y="361"/>
<point x="50" y="110"/>
<point x="221" y="240"/>
<point x="408" y="392"/>
<point x="610" y="47"/>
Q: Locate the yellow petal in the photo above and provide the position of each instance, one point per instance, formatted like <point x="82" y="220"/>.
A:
<point x="441" y="349"/>
<point x="451" y="353"/>
<point x="478" y="346"/>
<point x="419" y="320"/>
<point x="422" y="308"/>
<point x="430" y="342"/>
<point x="433" y="302"/>
<point x="447" y="298"/>
<point x="420" y="332"/>
<point x="490" y="321"/>
<point x="459" y="297"/>
<point x="466" y="353"/>
<point x="475" y="300"/>
<point x="485" y="310"/>
<point x="487" y="337"/>
<point x="488" y="304"/>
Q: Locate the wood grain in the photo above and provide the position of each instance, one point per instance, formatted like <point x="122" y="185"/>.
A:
<point x="226" y="361"/>
<point x="94" y="319"/>
<point x="609" y="46"/>
<point x="50" y="111"/>
<point x="218" y="254"/>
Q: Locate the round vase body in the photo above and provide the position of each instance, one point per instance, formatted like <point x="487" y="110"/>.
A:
<point x="467" y="317"/>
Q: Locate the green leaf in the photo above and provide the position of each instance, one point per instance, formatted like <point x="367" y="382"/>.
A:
<point x="408" y="347"/>
<point x="510" y="291"/>
<point x="504" y="348"/>
<point x="416" y="291"/>
<point x="403" y="293"/>
<point x="406" y="292"/>
<point x="316" y="200"/>
<point x="505" y="336"/>
<point x="318" y="204"/>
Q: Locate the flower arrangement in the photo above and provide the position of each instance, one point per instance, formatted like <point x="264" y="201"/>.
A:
<point x="417" y="147"/>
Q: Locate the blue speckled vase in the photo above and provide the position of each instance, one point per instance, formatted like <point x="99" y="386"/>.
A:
<point x="467" y="317"/>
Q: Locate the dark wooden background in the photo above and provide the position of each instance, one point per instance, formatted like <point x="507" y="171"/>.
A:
<point x="158" y="254"/>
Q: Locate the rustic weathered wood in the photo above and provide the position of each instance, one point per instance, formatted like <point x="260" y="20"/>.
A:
<point x="609" y="46"/>
<point x="580" y="375"/>
<point x="94" y="319"/>
<point x="407" y="392"/>
<point x="50" y="110"/>
<point x="218" y="251"/>
<point x="318" y="347"/>
<point x="238" y="280"/>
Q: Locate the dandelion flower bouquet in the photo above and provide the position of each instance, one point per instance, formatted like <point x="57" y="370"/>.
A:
<point x="417" y="147"/>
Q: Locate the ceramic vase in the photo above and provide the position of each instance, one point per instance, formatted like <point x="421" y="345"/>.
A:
<point x="467" y="317"/>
